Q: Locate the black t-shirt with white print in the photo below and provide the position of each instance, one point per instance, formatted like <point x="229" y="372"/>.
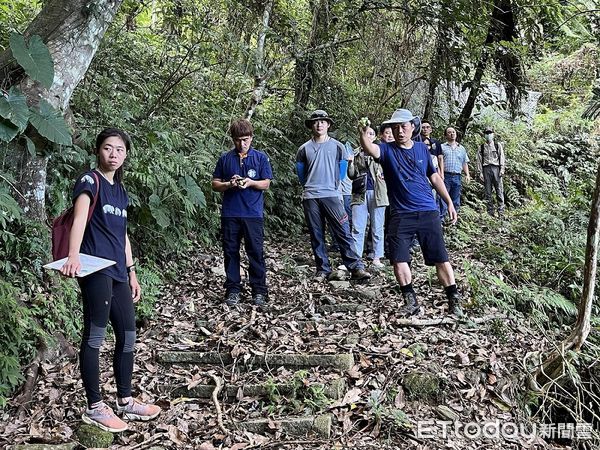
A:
<point x="105" y="233"/>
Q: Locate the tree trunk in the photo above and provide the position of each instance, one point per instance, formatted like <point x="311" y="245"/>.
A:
<point x="465" y="115"/>
<point x="31" y="182"/>
<point x="73" y="34"/>
<point x="437" y="65"/>
<point x="305" y="65"/>
<point x="553" y="367"/>
<point x="260" y="79"/>
<point x="500" y="28"/>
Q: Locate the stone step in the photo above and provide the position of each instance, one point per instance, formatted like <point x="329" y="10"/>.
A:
<point x="333" y="390"/>
<point x="297" y="427"/>
<point x="340" y="361"/>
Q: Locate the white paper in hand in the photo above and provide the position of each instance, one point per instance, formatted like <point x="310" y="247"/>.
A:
<point x="89" y="264"/>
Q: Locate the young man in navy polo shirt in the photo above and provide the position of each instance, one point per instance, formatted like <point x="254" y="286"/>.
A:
<point x="408" y="171"/>
<point x="243" y="174"/>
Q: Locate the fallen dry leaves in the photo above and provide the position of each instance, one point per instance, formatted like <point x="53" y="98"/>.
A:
<point x="477" y="370"/>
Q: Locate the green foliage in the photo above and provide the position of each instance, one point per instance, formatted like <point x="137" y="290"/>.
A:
<point x="15" y="15"/>
<point x="14" y="109"/>
<point x="50" y="123"/>
<point x="385" y="413"/>
<point x="150" y="281"/>
<point x="9" y="212"/>
<point x="8" y="131"/>
<point x="304" y="395"/>
<point x="34" y="58"/>
<point x="15" y="114"/>
<point x="17" y="339"/>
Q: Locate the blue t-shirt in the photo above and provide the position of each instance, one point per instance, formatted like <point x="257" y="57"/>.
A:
<point x="247" y="202"/>
<point x="407" y="173"/>
<point x="105" y="233"/>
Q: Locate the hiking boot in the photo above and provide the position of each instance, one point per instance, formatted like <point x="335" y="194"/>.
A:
<point x="454" y="305"/>
<point x="321" y="276"/>
<point x="136" y="410"/>
<point x="260" y="299"/>
<point x="411" y="306"/>
<point x="104" y="418"/>
<point x="378" y="264"/>
<point x="232" y="299"/>
<point x="360" y="274"/>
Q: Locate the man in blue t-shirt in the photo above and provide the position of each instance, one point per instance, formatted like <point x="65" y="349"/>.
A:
<point x="320" y="165"/>
<point x="243" y="174"/>
<point x="409" y="174"/>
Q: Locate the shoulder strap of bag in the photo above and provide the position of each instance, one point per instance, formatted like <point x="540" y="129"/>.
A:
<point x="95" y="200"/>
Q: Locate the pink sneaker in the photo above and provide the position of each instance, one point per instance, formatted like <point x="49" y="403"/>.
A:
<point x="136" y="410"/>
<point x="104" y="418"/>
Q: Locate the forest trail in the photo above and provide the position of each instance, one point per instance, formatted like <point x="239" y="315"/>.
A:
<point x="327" y="365"/>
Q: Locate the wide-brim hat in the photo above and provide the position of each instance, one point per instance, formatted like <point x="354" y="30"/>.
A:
<point x="400" y="116"/>
<point x="318" y="114"/>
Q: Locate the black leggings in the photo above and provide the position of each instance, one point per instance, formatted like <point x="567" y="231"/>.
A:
<point x="105" y="298"/>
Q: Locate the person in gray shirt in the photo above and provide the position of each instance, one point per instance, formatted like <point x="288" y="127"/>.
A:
<point x="320" y="166"/>
<point x="491" y="161"/>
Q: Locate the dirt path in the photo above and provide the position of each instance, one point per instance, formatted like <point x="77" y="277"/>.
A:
<point x="327" y="365"/>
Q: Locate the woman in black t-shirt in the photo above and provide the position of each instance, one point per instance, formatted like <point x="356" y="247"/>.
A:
<point x="111" y="292"/>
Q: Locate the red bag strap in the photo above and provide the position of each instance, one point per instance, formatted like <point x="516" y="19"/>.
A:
<point x="95" y="200"/>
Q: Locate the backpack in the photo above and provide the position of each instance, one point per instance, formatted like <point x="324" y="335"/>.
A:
<point x="61" y="227"/>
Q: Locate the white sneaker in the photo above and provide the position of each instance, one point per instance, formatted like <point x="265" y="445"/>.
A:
<point x="378" y="264"/>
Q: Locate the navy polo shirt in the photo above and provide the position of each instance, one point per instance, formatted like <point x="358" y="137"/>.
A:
<point x="407" y="173"/>
<point x="247" y="202"/>
<point x="105" y="233"/>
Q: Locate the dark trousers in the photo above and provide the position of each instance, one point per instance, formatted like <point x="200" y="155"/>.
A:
<point x="251" y="229"/>
<point x="330" y="211"/>
<point x="493" y="179"/>
<point x="348" y="208"/>
<point x="104" y="299"/>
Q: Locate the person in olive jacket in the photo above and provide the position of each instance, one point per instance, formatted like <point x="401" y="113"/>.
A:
<point x="369" y="200"/>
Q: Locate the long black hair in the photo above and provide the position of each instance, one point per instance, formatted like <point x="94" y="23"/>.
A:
<point x="113" y="132"/>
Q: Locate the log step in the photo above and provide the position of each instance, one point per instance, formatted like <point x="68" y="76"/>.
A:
<point x="340" y="361"/>
<point x="333" y="390"/>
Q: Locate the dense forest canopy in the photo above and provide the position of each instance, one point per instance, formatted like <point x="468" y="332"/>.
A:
<point x="175" y="73"/>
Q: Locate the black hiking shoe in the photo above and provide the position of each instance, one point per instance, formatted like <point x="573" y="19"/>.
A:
<point x="454" y="305"/>
<point x="411" y="306"/>
<point x="360" y="274"/>
<point x="232" y="299"/>
<point x="260" y="300"/>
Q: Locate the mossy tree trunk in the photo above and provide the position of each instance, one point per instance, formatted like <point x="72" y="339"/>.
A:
<point x="72" y="30"/>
